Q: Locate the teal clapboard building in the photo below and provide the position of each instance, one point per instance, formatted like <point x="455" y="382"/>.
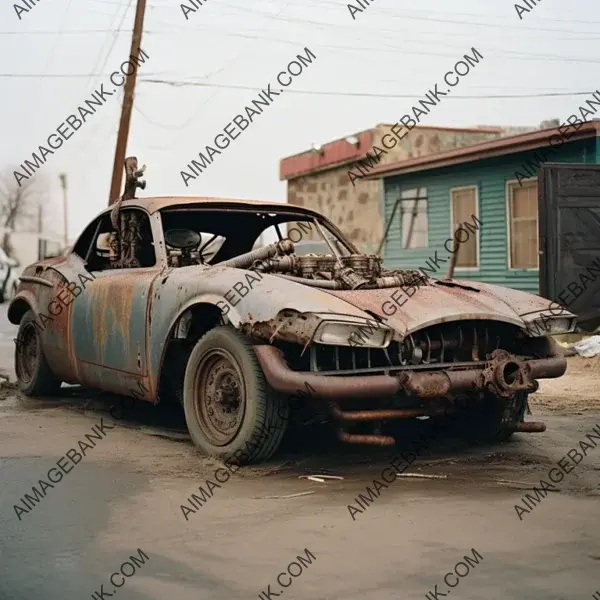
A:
<point x="491" y="185"/>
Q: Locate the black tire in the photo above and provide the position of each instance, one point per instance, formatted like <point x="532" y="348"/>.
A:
<point x="491" y="420"/>
<point x="4" y="293"/>
<point x="223" y="376"/>
<point x="34" y="376"/>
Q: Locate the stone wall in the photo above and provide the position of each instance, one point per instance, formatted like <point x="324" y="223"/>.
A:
<point x="356" y="209"/>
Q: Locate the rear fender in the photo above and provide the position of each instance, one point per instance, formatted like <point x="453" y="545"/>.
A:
<point x="20" y="304"/>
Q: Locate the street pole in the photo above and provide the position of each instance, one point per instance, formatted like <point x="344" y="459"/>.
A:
<point x="40" y="227"/>
<point x="123" y="134"/>
<point x="453" y="260"/>
<point x="63" y="183"/>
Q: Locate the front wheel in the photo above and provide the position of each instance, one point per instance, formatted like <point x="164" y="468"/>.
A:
<point x="492" y="418"/>
<point x="34" y="376"/>
<point x="230" y="410"/>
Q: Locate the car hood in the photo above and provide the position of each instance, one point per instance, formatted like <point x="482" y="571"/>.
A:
<point x="251" y="301"/>
<point x="442" y="302"/>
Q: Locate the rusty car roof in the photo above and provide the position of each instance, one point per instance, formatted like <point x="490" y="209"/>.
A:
<point x="153" y="204"/>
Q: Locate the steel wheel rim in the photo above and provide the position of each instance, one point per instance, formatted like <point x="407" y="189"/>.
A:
<point x="219" y="396"/>
<point x="28" y="349"/>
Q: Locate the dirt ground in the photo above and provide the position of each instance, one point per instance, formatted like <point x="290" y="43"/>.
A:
<point x="127" y="494"/>
<point x="577" y="392"/>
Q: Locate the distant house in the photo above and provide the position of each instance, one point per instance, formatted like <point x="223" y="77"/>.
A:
<point x="319" y="178"/>
<point x="426" y="197"/>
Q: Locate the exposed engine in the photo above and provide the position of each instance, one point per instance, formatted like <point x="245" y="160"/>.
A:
<point x="353" y="272"/>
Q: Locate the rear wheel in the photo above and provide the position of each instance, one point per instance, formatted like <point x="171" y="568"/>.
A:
<point x="230" y="410"/>
<point x="34" y="376"/>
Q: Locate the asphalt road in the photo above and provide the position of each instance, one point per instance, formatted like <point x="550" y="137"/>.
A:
<point x="126" y="493"/>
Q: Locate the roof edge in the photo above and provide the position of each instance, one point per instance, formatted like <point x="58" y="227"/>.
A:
<point x="367" y="139"/>
<point x="489" y="129"/>
<point x="480" y="151"/>
<point x="153" y="204"/>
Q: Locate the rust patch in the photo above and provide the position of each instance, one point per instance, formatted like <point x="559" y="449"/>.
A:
<point x="113" y="301"/>
<point x="288" y="326"/>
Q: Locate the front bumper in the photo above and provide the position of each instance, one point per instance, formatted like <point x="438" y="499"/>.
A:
<point x="504" y="375"/>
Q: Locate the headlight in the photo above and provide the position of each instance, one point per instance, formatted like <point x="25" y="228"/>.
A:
<point x="544" y="326"/>
<point x="338" y="333"/>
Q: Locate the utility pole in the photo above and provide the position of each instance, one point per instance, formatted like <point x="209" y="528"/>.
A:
<point x="40" y="228"/>
<point x="63" y="183"/>
<point x="454" y="258"/>
<point x="123" y="135"/>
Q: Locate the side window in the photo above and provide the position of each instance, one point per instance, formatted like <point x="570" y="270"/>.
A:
<point x="97" y="256"/>
<point x="137" y="244"/>
<point x="84" y="243"/>
<point x="134" y="248"/>
<point x="523" y="225"/>
<point x="464" y="206"/>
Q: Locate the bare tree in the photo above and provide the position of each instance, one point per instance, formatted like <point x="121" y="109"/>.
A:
<point x="18" y="206"/>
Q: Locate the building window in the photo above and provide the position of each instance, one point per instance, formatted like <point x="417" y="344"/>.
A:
<point x="464" y="207"/>
<point x="413" y="218"/>
<point x="523" y="225"/>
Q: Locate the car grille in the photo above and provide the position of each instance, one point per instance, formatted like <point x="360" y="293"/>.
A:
<point x="448" y="344"/>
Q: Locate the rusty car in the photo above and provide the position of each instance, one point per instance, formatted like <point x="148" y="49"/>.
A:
<point x="205" y="302"/>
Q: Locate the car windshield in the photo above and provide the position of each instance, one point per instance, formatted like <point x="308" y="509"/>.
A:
<point x="227" y="233"/>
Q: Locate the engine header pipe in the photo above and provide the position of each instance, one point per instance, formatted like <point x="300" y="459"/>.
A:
<point x="243" y="261"/>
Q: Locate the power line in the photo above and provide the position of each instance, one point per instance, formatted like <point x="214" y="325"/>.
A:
<point x="235" y="59"/>
<point x="430" y="19"/>
<point x="193" y="30"/>
<point x="393" y="13"/>
<point x="508" y="54"/>
<point x="59" y="75"/>
<point x="68" y="32"/>
<point x="388" y="48"/>
<point x="364" y="94"/>
<point x="93" y="83"/>
<point x="147" y="79"/>
<point x="502" y="53"/>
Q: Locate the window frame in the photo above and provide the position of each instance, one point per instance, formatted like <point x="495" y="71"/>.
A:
<point x="401" y="216"/>
<point x="507" y="187"/>
<point x="477" y="249"/>
<point x="92" y="225"/>
<point x="97" y="223"/>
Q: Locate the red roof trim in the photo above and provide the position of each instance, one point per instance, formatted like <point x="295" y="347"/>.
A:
<point x="331" y="155"/>
<point x="340" y="152"/>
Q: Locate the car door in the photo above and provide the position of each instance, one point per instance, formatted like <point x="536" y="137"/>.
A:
<point x="109" y="319"/>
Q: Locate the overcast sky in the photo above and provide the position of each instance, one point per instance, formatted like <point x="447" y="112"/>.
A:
<point x="393" y="48"/>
